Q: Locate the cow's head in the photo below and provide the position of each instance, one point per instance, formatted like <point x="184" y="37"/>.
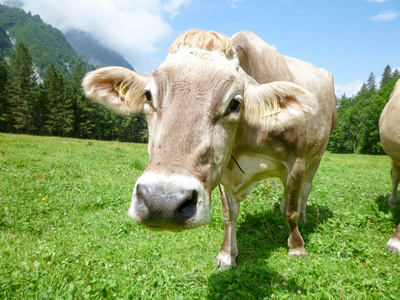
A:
<point x="194" y="103"/>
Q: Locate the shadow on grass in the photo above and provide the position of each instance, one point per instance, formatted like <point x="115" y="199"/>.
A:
<point x="383" y="205"/>
<point x="258" y="236"/>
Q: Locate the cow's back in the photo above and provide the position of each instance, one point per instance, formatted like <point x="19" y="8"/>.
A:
<point x="389" y="125"/>
<point x="265" y="64"/>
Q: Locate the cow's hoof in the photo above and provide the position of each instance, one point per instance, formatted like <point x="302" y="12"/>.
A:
<point x="393" y="201"/>
<point x="296" y="252"/>
<point x="393" y="246"/>
<point x="225" y="261"/>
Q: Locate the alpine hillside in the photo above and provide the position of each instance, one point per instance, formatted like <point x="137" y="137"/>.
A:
<point x="48" y="45"/>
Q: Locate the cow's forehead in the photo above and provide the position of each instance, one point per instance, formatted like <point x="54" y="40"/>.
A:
<point x="203" y="60"/>
<point x="198" y="73"/>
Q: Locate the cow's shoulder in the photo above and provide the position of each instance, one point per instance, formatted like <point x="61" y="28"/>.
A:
<point x="258" y="59"/>
<point x="389" y="125"/>
<point x="395" y="96"/>
<point x="390" y="113"/>
<point x="393" y="106"/>
<point x="308" y="76"/>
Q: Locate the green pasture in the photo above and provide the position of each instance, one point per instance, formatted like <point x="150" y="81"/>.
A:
<point x="65" y="234"/>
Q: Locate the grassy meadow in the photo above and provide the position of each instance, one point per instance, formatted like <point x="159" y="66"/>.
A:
<point x="65" y="234"/>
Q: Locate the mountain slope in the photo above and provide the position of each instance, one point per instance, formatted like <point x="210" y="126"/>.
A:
<point x="93" y="52"/>
<point x="45" y="43"/>
<point x="48" y="45"/>
<point x="5" y="43"/>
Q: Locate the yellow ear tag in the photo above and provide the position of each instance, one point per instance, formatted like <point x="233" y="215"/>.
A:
<point x="122" y="93"/>
<point x="267" y="113"/>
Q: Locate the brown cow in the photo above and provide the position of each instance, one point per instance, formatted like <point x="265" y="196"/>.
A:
<point x="389" y="129"/>
<point x="214" y="100"/>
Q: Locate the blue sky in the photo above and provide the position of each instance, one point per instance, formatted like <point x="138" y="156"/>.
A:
<point x="349" y="38"/>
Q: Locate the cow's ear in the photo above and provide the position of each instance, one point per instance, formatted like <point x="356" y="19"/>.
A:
<point x="278" y="105"/>
<point x="118" y="88"/>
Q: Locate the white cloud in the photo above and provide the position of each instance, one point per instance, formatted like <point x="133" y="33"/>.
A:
<point x="233" y="3"/>
<point x="132" y="27"/>
<point x="385" y="16"/>
<point x="377" y="1"/>
<point x="350" y="89"/>
<point x="173" y="6"/>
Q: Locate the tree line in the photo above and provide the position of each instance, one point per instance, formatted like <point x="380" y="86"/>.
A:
<point x="357" y="127"/>
<point x="57" y="105"/>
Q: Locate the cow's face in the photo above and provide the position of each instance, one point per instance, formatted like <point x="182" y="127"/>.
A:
<point x="193" y="106"/>
<point x="194" y="103"/>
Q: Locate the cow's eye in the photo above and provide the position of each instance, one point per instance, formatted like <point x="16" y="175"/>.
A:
<point x="234" y="105"/>
<point x="149" y="97"/>
<point x="147" y="94"/>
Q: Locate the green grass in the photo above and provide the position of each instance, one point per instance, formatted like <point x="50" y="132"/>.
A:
<point x="64" y="232"/>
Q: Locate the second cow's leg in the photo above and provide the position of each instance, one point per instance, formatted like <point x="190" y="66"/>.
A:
<point x="395" y="172"/>
<point x="230" y="210"/>
<point x="290" y="207"/>
<point x="394" y="243"/>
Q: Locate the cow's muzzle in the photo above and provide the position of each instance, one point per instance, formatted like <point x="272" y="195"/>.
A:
<point x="169" y="202"/>
<point x="159" y="209"/>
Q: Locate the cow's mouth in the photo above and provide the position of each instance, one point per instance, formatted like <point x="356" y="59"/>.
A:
<point x="160" y="228"/>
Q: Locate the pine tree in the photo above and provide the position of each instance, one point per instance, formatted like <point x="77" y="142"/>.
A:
<point x="386" y="76"/>
<point x="53" y="89"/>
<point x="4" y="112"/>
<point x="59" y="114"/>
<point x="363" y="90"/>
<point x="39" y="110"/>
<point x="85" y="111"/>
<point x="395" y="74"/>
<point x="371" y="84"/>
<point x="20" y="84"/>
<point x="66" y="116"/>
<point x="345" y="138"/>
<point x="3" y="75"/>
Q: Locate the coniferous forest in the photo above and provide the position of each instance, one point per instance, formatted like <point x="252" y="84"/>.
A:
<point x="357" y="127"/>
<point x="57" y="105"/>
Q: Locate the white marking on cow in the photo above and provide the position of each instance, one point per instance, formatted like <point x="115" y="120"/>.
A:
<point x="393" y="246"/>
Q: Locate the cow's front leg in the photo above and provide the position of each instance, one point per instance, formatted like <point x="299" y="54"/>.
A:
<point x="394" y="243"/>
<point x="306" y="189"/>
<point x="230" y="210"/>
<point x="290" y="207"/>
<point x="395" y="172"/>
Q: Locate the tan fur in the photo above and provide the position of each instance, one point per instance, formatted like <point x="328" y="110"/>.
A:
<point x="297" y="104"/>
<point x="100" y="85"/>
<point x="389" y="129"/>
<point x="205" y="40"/>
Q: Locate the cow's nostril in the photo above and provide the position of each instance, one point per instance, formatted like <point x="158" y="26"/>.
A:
<point x="189" y="206"/>
<point x="142" y="194"/>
